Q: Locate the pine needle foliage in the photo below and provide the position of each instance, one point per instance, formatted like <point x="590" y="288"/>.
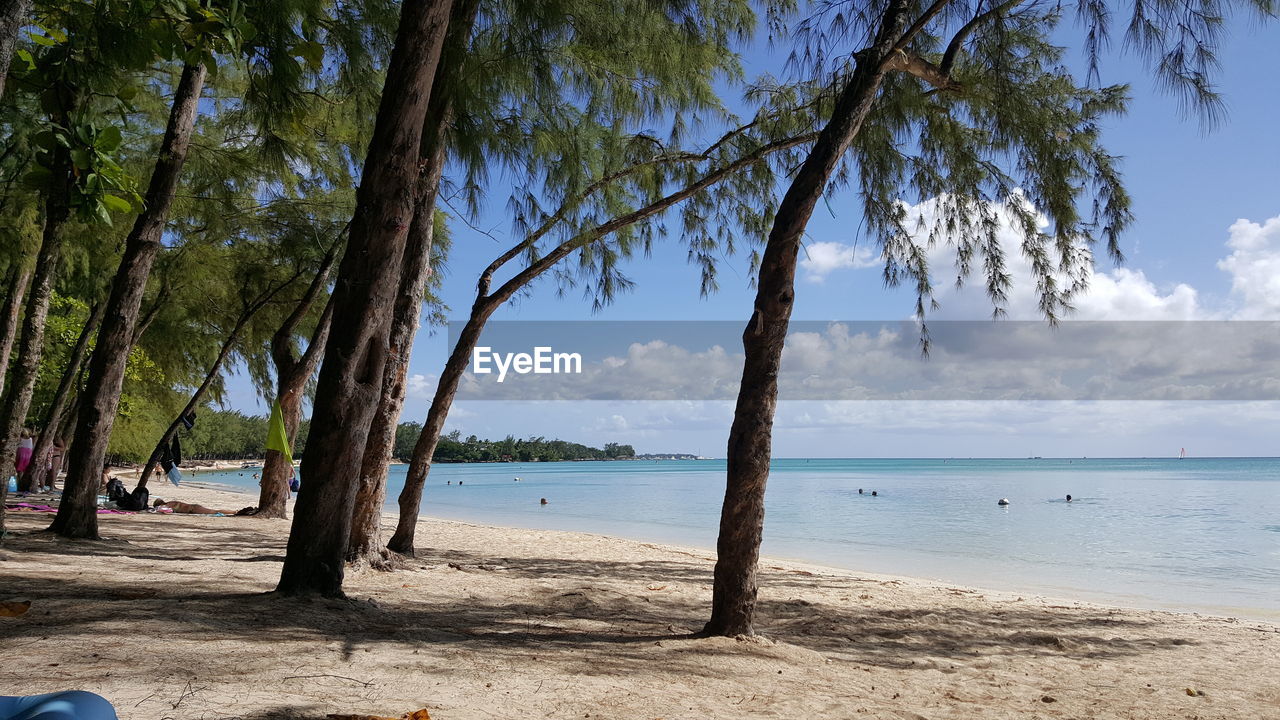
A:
<point x="983" y="122"/>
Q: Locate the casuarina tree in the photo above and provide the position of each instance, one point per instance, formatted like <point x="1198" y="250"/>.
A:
<point x="970" y="105"/>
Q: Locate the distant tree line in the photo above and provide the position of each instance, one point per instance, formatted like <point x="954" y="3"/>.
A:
<point x="454" y="448"/>
<point x="233" y="435"/>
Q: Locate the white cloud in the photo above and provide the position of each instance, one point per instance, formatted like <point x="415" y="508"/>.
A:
<point x="420" y="386"/>
<point x="1254" y="265"/>
<point x="1119" y="294"/>
<point x="822" y="258"/>
<point x="1124" y="294"/>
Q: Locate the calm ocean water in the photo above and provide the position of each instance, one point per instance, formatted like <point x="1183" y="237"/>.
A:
<point x="1196" y="534"/>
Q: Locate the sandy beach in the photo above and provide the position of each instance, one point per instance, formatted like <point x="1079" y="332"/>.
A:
<point x="169" y="618"/>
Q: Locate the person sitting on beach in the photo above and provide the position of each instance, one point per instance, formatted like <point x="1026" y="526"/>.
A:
<point x="183" y="508"/>
<point x="106" y="478"/>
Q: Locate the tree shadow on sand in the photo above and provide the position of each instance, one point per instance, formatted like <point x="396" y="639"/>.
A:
<point x="597" y="617"/>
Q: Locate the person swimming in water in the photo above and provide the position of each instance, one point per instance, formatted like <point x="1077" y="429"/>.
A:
<point x="1068" y="498"/>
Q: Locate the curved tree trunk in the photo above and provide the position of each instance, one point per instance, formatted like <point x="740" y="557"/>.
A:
<point x="34" y="476"/>
<point x="77" y="514"/>
<point x="356" y="355"/>
<point x="13" y="15"/>
<point x="751" y="436"/>
<point x="22" y="383"/>
<point x="291" y="380"/>
<point x="11" y="315"/>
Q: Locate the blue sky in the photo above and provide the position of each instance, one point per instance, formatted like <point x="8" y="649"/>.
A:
<point x="1189" y="190"/>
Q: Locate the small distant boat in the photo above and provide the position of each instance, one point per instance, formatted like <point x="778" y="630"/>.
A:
<point x="1182" y="455"/>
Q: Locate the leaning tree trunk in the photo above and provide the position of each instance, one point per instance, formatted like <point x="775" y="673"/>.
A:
<point x="77" y="514"/>
<point x="196" y="397"/>
<point x="53" y="418"/>
<point x="751" y="436"/>
<point x="13" y="15"/>
<point x="425" y="449"/>
<point x="291" y="380"/>
<point x="11" y="314"/>
<point x="25" y="371"/>
<point x="355" y="357"/>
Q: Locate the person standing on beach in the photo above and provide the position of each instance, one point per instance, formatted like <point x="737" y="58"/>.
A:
<point x="26" y="446"/>
<point x="54" y="467"/>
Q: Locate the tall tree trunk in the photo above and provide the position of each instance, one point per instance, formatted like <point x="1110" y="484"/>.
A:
<point x="13" y="15"/>
<point x="22" y="384"/>
<point x="365" y="543"/>
<point x="735" y="582"/>
<point x="53" y="418"/>
<point x="77" y="514"/>
<point x="11" y="314"/>
<point x="355" y="357"/>
<point x="291" y="380"/>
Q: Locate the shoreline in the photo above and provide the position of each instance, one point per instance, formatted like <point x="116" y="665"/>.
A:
<point x="498" y="622"/>
<point x="1069" y="595"/>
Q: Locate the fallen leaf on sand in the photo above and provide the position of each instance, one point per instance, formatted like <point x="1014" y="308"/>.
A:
<point x="14" y="609"/>
<point x="656" y="588"/>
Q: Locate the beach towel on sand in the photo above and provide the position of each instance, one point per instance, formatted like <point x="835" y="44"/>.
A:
<point x="51" y="509"/>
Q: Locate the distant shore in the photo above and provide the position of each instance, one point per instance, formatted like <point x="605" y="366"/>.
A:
<point x="500" y="622"/>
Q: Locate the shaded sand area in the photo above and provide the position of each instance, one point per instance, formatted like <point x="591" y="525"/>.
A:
<point x="168" y="619"/>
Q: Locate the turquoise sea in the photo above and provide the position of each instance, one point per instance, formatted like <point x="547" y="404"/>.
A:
<point x="1199" y="534"/>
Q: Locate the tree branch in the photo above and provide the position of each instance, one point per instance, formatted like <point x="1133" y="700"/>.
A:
<point x="282" y="340"/>
<point x="486" y="278"/>
<point x="937" y="7"/>
<point x="509" y="288"/>
<point x="957" y="42"/>
<point x="917" y="66"/>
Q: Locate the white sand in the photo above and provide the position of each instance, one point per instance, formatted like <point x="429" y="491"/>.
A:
<point x="168" y="619"/>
